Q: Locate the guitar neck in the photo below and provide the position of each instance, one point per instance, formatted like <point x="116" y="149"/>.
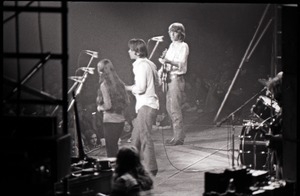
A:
<point x="172" y="65"/>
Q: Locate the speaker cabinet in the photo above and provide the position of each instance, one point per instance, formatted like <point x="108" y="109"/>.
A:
<point x="219" y="182"/>
<point x="32" y="165"/>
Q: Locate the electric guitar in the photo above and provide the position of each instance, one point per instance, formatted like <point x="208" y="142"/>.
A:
<point x="165" y="72"/>
<point x="166" y="69"/>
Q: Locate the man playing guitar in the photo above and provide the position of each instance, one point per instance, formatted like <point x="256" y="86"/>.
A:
<point x="174" y="61"/>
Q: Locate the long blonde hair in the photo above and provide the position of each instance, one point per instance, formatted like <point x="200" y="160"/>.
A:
<point x="116" y="87"/>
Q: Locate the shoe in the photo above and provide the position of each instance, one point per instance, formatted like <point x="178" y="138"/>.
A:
<point x="154" y="127"/>
<point x="175" y="143"/>
<point x="154" y="172"/>
<point x="168" y="141"/>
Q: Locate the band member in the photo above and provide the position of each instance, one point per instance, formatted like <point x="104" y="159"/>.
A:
<point x="147" y="103"/>
<point x="274" y="91"/>
<point x="112" y="100"/>
<point x="175" y="62"/>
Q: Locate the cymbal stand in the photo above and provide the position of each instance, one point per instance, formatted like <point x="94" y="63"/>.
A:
<point x="232" y="141"/>
<point x="232" y="135"/>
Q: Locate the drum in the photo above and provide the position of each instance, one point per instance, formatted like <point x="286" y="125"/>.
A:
<point x="265" y="107"/>
<point x="253" y="147"/>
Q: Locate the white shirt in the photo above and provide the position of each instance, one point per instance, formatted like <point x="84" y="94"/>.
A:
<point x="145" y="77"/>
<point x="178" y="52"/>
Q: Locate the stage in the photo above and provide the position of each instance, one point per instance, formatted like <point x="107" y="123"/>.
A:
<point x="207" y="148"/>
<point x="182" y="168"/>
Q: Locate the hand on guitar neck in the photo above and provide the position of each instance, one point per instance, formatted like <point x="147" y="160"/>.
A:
<point x="164" y="71"/>
<point x="162" y="59"/>
<point x="165" y="62"/>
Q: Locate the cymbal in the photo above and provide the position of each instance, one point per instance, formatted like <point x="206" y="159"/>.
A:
<point x="264" y="82"/>
<point x="267" y="82"/>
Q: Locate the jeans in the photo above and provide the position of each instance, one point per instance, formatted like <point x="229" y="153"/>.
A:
<point x="141" y="137"/>
<point x="173" y="104"/>
<point x="112" y="133"/>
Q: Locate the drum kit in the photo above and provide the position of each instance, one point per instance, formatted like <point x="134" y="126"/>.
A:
<point x="253" y="150"/>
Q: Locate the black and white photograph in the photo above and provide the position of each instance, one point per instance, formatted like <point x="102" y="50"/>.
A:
<point x="113" y="98"/>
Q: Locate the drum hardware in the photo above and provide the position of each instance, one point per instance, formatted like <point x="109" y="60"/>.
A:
<point x="246" y="57"/>
<point x="245" y="152"/>
<point x="265" y="107"/>
<point x="250" y="122"/>
<point x="254" y="151"/>
<point x="253" y="146"/>
<point x="242" y="136"/>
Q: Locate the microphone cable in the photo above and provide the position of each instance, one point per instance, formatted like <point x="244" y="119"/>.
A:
<point x="184" y="169"/>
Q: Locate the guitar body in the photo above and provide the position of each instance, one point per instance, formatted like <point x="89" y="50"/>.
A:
<point x="165" y="73"/>
<point x="164" y="78"/>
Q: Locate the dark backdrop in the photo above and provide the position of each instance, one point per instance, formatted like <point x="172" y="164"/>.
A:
<point x="218" y="36"/>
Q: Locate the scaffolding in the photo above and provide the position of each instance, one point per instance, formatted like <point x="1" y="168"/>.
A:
<point x="19" y="84"/>
<point x="39" y="141"/>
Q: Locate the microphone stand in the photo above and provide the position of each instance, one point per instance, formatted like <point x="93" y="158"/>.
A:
<point x="79" y="87"/>
<point x="81" y="154"/>
<point x="157" y="42"/>
<point x="78" y="90"/>
<point x="245" y="58"/>
<point x="239" y="108"/>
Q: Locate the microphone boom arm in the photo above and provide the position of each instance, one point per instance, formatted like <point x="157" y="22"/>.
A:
<point x="239" y="108"/>
<point x="79" y="87"/>
<point x="240" y="66"/>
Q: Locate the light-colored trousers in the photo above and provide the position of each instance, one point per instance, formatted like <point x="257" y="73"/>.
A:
<point x="141" y="137"/>
<point x="174" y="100"/>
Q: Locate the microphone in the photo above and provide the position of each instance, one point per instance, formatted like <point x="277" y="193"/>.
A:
<point x="92" y="53"/>
<point x="157" y="38"/>
<point x="78" y="79"/>
<point x="90" y="70"/>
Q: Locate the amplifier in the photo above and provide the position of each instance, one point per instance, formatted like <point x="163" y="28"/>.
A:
<point x="86" y="184"/>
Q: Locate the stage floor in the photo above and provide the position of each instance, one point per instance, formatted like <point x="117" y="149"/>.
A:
<point x="207" y="148"/>
<point x="182" y="168"/>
